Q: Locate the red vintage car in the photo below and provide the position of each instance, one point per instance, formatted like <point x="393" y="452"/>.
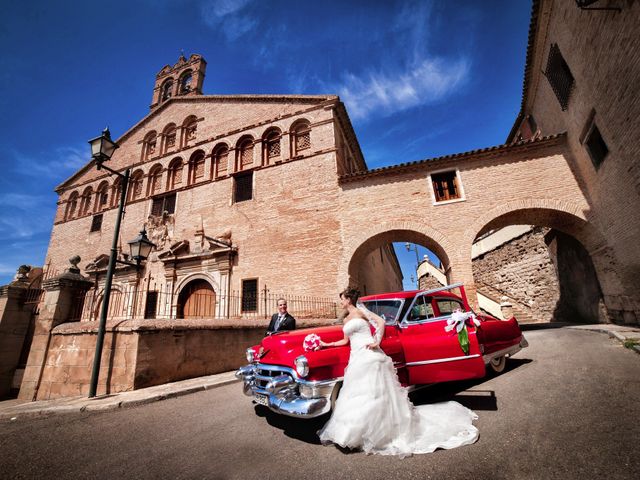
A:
<point x="287" y="379"/>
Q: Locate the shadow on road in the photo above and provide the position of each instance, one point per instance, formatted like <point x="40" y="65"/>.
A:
<point x="464" y="392"/>
<point x="300" y="429"/>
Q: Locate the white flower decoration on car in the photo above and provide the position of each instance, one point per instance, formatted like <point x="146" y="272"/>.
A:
<point x="458" y="320"/>
<point x="311" y="342"/>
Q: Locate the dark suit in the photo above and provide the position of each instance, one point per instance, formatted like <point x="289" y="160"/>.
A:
<point x="288" y="323"/>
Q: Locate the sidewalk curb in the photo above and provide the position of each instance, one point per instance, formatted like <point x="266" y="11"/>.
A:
<point x="116" y="404"/>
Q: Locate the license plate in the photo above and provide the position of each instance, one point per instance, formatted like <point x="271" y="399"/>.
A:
<point x="261" y="399"/>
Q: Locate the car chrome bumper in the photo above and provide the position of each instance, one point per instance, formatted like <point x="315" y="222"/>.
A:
<point x="283" y="396"/>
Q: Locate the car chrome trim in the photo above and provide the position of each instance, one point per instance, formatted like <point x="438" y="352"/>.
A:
<point x="512" y="350"/>
<point x="442" y="360"/>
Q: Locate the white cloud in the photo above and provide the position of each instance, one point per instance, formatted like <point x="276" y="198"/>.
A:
<point x="57" y="164"/>
<point x="430" y="81"/>
<point x="229" y="16"/>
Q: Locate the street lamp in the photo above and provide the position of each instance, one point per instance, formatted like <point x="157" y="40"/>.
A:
<point x="408" y="246"/>
<point x="102" y="149"/>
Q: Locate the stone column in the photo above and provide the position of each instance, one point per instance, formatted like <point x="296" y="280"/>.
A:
<point x="14" y="324"/>
<point x="60" y="301"/>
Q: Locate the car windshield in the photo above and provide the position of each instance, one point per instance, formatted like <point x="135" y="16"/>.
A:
<point x="387" y="309"/>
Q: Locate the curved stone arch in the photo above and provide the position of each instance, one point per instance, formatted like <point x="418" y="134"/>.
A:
<point x="365" y="241"/>
<point x="179" y="286"/>
<point x="561" y="215"/>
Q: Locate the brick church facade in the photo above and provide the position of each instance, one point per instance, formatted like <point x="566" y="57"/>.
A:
<point x="245" y="193"/>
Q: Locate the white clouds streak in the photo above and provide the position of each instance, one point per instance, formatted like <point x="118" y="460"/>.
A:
<point x="53" y="164"/>
<point x="411" y="76"/>
<point x="426" y="83"/>
<point x="228" y="16"/>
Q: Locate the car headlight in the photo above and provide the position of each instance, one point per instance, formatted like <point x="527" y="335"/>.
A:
<point x="302" y="366"/>
<point x="250" y="356"/>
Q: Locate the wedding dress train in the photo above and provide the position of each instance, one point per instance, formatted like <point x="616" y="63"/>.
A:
<point x="374" y="413"/>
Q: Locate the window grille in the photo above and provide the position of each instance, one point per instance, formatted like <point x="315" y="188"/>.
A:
<point x="246" y="155"/>
<point x="151" y="304"/>
<point x="559" y="76"/>
<point x="163" y="204"/>
<point x="302" y="140"/>
<point x="96" y="223"/>
<point x="445" y="186"/>
<point x="222" y="158"/>
<point x="249" y="295"/>
<point x="197" y="169"/>
<point x="273" y="148"/>
<point x="243" y="187"/>
<point x="596" y="146"/>
<point x="171" y="140"/>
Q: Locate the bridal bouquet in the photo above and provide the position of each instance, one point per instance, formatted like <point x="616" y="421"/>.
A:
<point x="311" y="342"/>
<point x="458" y="321"/>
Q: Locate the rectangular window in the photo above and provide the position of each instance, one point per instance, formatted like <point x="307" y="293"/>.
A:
<point x="445" y="186"/>
<point x="250" y="295"/>
<point x="243" y="187"/>
<point x="163" y="204"/>
<point x="559" y="76"/>
<point x="151" y="305"/>
<point x="96" y="223"/>
<point x="596" y="146"/>
<point x="447" y="307"/>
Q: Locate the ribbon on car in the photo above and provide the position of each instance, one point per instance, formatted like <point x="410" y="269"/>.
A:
<point x="458" y="321"/>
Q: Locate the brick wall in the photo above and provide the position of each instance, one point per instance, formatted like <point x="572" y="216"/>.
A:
<point x="602" y="50"/>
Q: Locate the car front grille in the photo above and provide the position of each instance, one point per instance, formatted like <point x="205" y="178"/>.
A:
<point x="264" y="374"/>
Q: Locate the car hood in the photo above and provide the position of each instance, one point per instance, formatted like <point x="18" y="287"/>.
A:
<point x="283" y="348"/>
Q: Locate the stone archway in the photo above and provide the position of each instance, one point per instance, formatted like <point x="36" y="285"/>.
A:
<point x="554" y="273"/>
<point x="370" y="239"/>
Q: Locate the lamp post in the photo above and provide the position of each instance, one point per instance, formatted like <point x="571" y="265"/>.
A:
<point x="102" y="149"/>
<point x="415" y="249"/>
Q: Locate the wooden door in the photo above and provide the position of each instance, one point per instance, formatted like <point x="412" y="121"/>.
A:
<point x="198" y="300"/>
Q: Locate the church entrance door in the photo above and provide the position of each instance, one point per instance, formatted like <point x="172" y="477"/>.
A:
<point x="197" y="300"/>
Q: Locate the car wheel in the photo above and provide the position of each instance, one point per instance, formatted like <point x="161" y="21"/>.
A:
<point x="497" y="364"/>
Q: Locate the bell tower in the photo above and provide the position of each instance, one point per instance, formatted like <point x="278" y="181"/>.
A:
<point x="185" y="78"/>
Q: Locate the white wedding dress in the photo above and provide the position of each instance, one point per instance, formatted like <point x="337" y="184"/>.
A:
<point x="374" y="413"/>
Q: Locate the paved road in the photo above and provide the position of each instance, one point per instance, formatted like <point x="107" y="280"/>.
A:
<point x="566" y="408"/>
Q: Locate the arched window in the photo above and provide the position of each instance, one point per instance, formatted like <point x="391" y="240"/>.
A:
<point x="174" y="174"/>
<point x="271" y="150"/>
<point x="244" y="153"/>
<point x="220" y="160"/>
<point x="135" y="185"/>
<point x="116" y="191"/>
<point x="85" y="201"/>
<point x="189" y="129"/>
<point x="72" y="206"/>
<point x="149" y="145"/>
<point x="300" y="137"/>
<point x="169" y="138"/>
<point x="102" y="197"/>
<point x="185" y="82"/>
<point x="196" y="167"/>
<point x="154" y="183"/>
<point x="166" y="90"/>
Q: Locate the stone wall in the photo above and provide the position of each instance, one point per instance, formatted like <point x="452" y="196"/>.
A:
<point x="143" y="353"/>
<point x="547" y="272"/>
<point x="523" y="270"/>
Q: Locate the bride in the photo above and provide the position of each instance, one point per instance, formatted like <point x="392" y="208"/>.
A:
<point x="373" y="411"/>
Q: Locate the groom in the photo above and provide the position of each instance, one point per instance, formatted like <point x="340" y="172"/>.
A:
<point x="282" y="320"/>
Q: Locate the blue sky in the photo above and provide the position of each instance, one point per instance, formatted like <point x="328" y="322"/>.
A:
<point x="419" y="79"/>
